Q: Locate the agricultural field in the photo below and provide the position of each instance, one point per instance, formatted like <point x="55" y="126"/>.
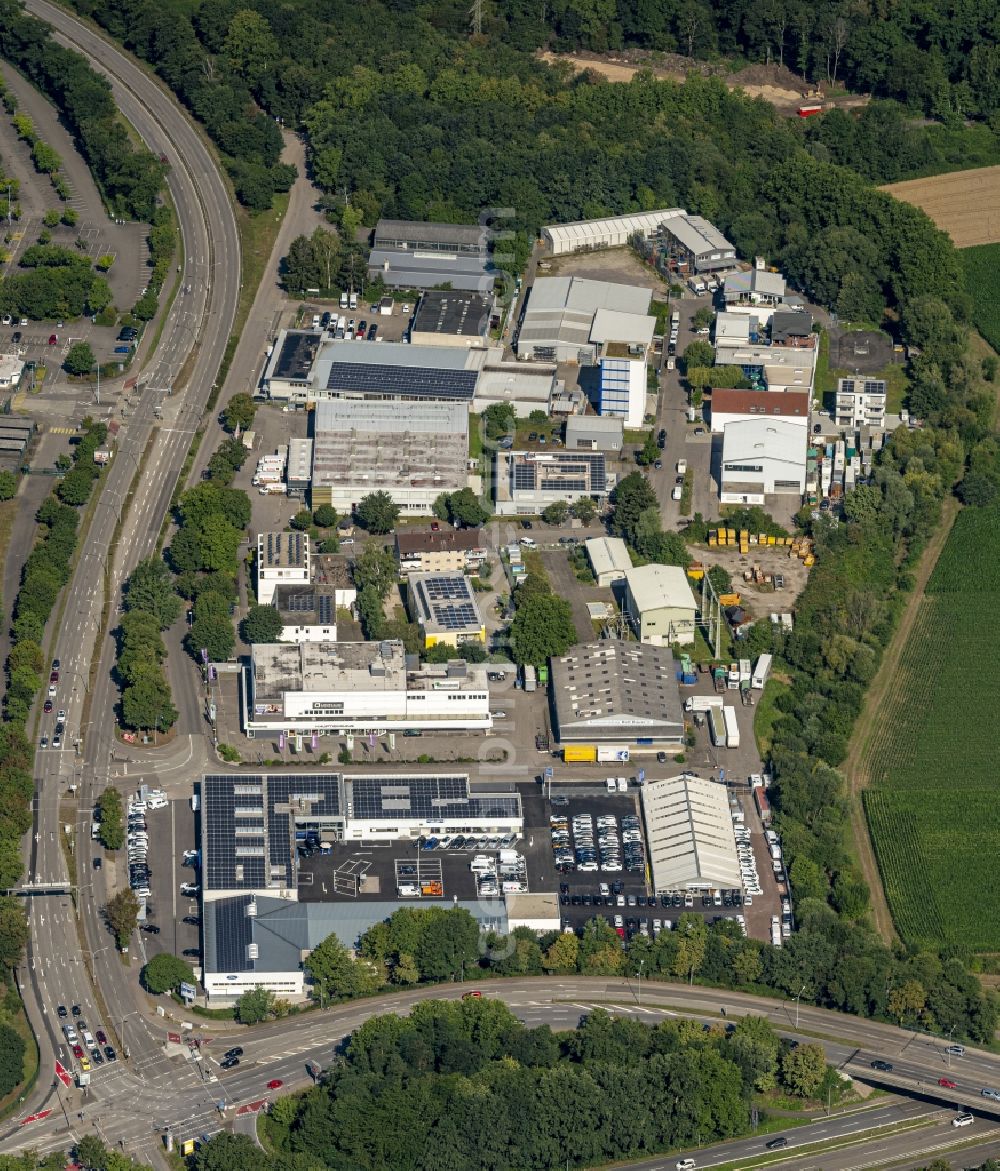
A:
<point x="965" y="204"/>
<point x="982" y="279"/>
<point x="932" y="805"/>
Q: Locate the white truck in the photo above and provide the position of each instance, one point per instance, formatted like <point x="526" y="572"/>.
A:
<point x="353" y="301"/>
<point x="612" y="754"/>
<point x="702" y="703"/>
<point x="761" y="671"/>
<point x="530" y="677"/>
<point x="276" y="488"/>
<point x="732" y="728"/>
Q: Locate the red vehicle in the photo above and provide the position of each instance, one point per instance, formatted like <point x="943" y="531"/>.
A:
<point x="809" y="109"/>
<point x="47" y="706"/>
<point x="54" y="677"/>
<point x="53" y="340"/>
<point x="77" y="1050"/>
<point x="475" y="995"/>
<point x="435" y="527"/>
<point x="947" y="1083"/>
<point x="275" y="1083"/>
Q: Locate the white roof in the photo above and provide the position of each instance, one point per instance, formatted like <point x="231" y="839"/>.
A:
<point x="657" y="587"/>
<point x="732" y="328"/>
<point x="772" y="439"/>
<point x="611" y="325"/>
<point x="608" y="555"/>
<point x="565" y="237"/>
<point x="384" y="417"/>
<point x="579" y="295"/>
<point x="689" y="834"/>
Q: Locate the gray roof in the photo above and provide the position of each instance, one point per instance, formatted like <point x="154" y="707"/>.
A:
<point x="465" y="314"/>
<point x="697" y="234"/>
<point x="421" y="232"/>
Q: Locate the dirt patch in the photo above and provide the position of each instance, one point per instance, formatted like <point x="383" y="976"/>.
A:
<point x="776" y="84"/>
<point x="856" y="766"/>
<point x="759" y="600"/>
<point x="618" y="265"/>
<point x="965" y="204"/>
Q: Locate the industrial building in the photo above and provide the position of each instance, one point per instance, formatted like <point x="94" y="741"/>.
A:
<point x="791" y="327"/>
<point x="773" y="367"/>
<point x="611" y="232"/>
<point x="450" y="318"/>
<point x="732" y="406"/>
<point x="408" y="254"/>
<point x="526" y="482"/>
<point x="557" y="324"/>
<point x="732" y="331"/>
<point x="860" y="403"/>
<point x="757" y="290"/>
<point x="298" y="472"/>
<point x="690" y="836"/>
<point x="444" y="606"/>
<point x="366" y="688"/>
<point x="762" y="457"/>
<point x="413" y="451"/>
<point x="525" y="388"/>
<point x="282" y="559"/>
<point x="617" y="692"/>
<point x="287" y="375"/>
<point x="660" y="604"/>
<point x="594" y="433"/>
<point x="447" y="550"/>
<point x="16" y="433"/>
<point x="623" y="388"/>
<point x="609" y="559"/>
<point x="11" y="369"/>
<point x="308" y="613"/>
<point x="693" y="245"/>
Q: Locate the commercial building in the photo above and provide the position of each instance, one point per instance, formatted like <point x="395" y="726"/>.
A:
<point x="413" y="451"/>
<point x="623" y="387"/>
<point x="287" y="376"/>
<point x="611" y="232"/>
<point x="350" y="688"/>
<point x="690" y="836"/>
<point x="559" y="318"/>
<point x="774" y="367"/>
<point x="762" y="457"/>
<point x="694" y="245"/>
<point x="446" y="551"/>
<point x="526" y="482"/>
<point x="525" y="388"/>
<point x="444" y="607"/>
<point x="618" y="693"/>
<point x="733" y="331"/>
<point x="538" y="912"/>
<point x="860" y="402"/>
<point x="298" y="473"/>
<point x="659" y="604"/>
<point x="757" y="291"/>
<point x="11" y="369"/>
<point x="282" y="559"/>
<point x="594" y="433"/>
<point x="733" y="406"/>
<point x="408" y="254"/>
<point x="609" y="559"/>
<point x="450" y="318"/>
<point x="308" y="613"/>
<point x="791" y="328"/>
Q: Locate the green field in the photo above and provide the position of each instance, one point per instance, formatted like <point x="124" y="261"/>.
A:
<point x="982" y="280"/>
<point x="932" y="805"/>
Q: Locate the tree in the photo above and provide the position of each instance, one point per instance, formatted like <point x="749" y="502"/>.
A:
<point x="122" y="914"/>
<point x="465" y="509"/>
<point x="8" y="485"/>
<point x="165" y="973"/>
<point x="92" y="1153"/>
<point x="240" y="412"/>
<point x="803" y="1069"/>
<point x="325" y="516"/>
<point x="378" y="512"/>
<point x="11" y="1059"/>
<point x="557" y="513"/>
<point x="254" y="1006"/>
<point x="649" y="453"/>
<point x="212" y="628"/>
<point x="631" y="497"/>
<point x="13" y="925"/>
<point x="250" y="47"/>
<point x="229" y="1152"/>
<point x="584" y="509"/>
<point x="146" y="703"/>
<point x="562" y="954"/>
<point x="720" y="580"/>
<point x="150" y="588"/>
<point x="907" y="1000"/>
<point x="699" y="353"/>
<point x="112" y="813"/>
<point x="335" y="975"/>
<point x="302" y="520"/>
<point x="542" y="628"/>
<point x="262" y="624"/>
<point x="500" y="420"/>
<point x="375" y="567"/>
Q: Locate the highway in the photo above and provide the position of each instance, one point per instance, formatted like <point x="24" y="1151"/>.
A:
<point x="154" y="438"/>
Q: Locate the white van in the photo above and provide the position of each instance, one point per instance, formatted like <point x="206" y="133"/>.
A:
<point x="481" y="864"/>
<point x="528" y="542"/>
<point x="343" y="299"/>
<point x="685" y="1165"/>
<point x="409" y="890"/>
<point x="682" y="466"/>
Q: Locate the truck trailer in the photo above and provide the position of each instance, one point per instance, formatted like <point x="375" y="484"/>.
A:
<point x="761" y="671"/>
<point x="717" y="727"/>
<point x="732" y="728"/>
<point x="580" y="754"/>
<point x="702" y="703"/>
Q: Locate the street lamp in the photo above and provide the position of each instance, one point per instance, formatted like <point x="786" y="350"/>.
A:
<point x="638" y="983"/>
<point x="121" y="1031"/>
<point x="797" y="995"/>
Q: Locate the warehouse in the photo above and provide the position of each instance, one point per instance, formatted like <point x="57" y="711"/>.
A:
<point x="558" y="321"/>
<point x="760" y="458"/>
<point x="612" y="232"/>
<point x="393" y="371"/>
<point x="525" y="388"/>
<point x="413" y="451"/>
<point x="659" y="604"/>
<point x="444" y="606"/>
<point x="732" y="406"/>
<point x="350" y="688"/>
<point x="689" y="834"/>
<point x="408" y="254"/>
<point x="298" y="474"/>
<point x="617" y="692"/>
<point x="609" y="559"/>
<point x="693" y="245"/>
<point x="450" y="318"/>
<point x="527" y="482"/>
<point x="594" y="433"/>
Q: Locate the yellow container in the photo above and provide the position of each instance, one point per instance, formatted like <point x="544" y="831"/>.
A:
<point x="744" y="536"/>
<point x="712" y="542"/>
<point x="731" y="534"/>
<point x="770" y="540"/>
<point x="762" y="539"/>
<point x="809" y="560"/>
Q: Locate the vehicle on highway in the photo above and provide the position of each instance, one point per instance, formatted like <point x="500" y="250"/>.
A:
<point x="236" y="1051"/>
<point x="109" y="1053"/>
<point x="47" y="706"/>
<point x="474" y="995"/>
<point x="229" y="1063"/>
<point x="885" y="1067"/>
<point x="955" y="1050"/>
<point x="988" y="1093"/>
<point x="44" y="742"/>
<point x="101" y="1037"/>
<point x="97" y="864"/>
<point x="61" y="713"/>
<point x="61" y="1010"/>
<point x="964" y="1119"/>
<point x="685" y="1165"/>
<point x="56" y="741"/>
<point x="947" y="1083"/>
<point x="776" y="1144"/>
<point x="275" y="1083"/>
<point x="76" y="1010"/>
<point x="52" y="691"/>
<point x="150" y="929"/>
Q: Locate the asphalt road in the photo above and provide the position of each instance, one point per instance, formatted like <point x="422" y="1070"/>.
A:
<point x="195" y="332"/>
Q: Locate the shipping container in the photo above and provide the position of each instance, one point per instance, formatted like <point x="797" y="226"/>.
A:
<point x="761" y="671"/>
<point x="530" y="678"/>
<point x="732" y="728"/>
<point x="611" y="753"/>
<point x="762" y="803"/>
<point x="717" y="727"/>
<point x="580" y="753"/>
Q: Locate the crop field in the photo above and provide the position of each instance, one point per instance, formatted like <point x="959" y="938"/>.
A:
<point x="965" y="204"/>
<point x="932" y="805"/>
<point x="982" y="279"/>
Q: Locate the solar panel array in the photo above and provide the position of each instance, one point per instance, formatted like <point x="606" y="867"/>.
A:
<point x="524" y="477"/>
<point x="412" y="381"/>
<point x="290" y="546"/>
<point x="567" y="472"/>
<point x="863" y="385"/>
<point x="247" y="842"/>
<point x="449" y="602"/>
<point x="319" y="604"/>
<point x="232" y="933"/>
<point x="426" y="798"/>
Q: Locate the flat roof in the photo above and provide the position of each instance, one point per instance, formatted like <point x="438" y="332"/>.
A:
<point x="613" y="325"/>
<point x="391" y="797"/>
<point x="464" y="314"/>
<point x="594" y="425"/>
<point x="278" y="667"/>
<point x="612" y="689"/>
<point x="444" y="603"/>
<point x="282" y="550"/>
<point x="423" y="232"/>
<point x="302" y="605"/>
<point x="655" y="587"/>
<point x="689" y="834"/>
<point x="296" y="355"/>
<point x="608" y="555"/>
<point x="775" y="439"/>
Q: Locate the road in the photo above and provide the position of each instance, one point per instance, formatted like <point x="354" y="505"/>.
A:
<point x="61" y="948"/>
<point x="162" y="1089"/>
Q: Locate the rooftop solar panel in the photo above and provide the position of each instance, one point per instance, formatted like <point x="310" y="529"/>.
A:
<point x="411" y="381"/>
